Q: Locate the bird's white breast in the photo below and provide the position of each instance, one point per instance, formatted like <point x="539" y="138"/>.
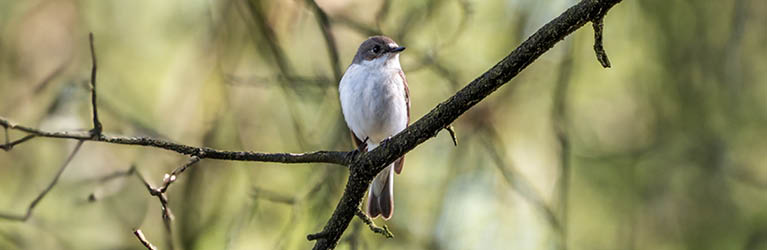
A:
<point x="373" y="100"/>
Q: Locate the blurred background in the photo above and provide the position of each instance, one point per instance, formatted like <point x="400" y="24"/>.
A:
<point x="666" y="150"/>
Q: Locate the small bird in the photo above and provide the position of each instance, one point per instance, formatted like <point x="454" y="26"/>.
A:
<point x="375" y="101"/>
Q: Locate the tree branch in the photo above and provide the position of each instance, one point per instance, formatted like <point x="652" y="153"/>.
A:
<point x="376" y="229"/>
<point x="598" y="25"/>
<point x="143" y="240"/>
<point x="45" y="191"/>
<point x="335" y="157"/>
<point x="330" y="42"/>
<point x="368" y="165"/>
<point x="516" y="180"/>
<point x="559" y="121"/>
<point x="97" y="128"/>
<point x="167" y="215"/>
<point x="9" y="145"/>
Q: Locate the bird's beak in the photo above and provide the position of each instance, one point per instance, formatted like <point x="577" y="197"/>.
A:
<point x="397" y="49"/>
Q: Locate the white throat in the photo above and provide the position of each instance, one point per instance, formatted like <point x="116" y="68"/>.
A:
<point x="383" y="62"/>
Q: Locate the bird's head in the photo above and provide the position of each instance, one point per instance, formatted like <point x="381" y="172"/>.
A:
<point x="378" y="51"/>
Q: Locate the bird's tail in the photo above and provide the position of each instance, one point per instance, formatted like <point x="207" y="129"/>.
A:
<point x="380" y="199"/>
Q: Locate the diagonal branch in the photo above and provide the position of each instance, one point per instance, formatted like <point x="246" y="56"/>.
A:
<point x="10" y="144"/>
<point x="45" y="191"/>
<point x="517" y="180"/>
<point x="167" y="215"/>
<point x="368" y="165"/>
<point x="376" y="229"/>
<point x="330" y="40"/>
<point x="170" y="178"/>
<point x="559" y="120"/>
<point x="143" y="240"/>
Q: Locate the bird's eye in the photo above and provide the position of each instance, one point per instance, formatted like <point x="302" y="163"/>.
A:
<point x="376" y="49"/>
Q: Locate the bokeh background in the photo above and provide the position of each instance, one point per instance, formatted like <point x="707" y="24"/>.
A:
<point x="666" y="150"/>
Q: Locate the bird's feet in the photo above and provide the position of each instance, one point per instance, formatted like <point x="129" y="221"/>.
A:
<point x="362" y="147"/>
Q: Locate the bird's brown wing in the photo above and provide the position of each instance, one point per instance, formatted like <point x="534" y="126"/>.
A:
<point x="401" y="161"/>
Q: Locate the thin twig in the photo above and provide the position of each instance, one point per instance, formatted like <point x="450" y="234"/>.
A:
<point x="167" y="215"/>
<point x="272" y="196"/>
<point x="119" y="174"/>
<point x="283" y="64"/>
<point x="265" y="81"/>
<point x="170" y="178"/>
<point x="356" y="25"/>
<point x="598" y="48"/>
<point x="330" y="41"/>
<point x="335" y="157"/>
<point x="517" y="180"/>
<point x="143" y="240"/>
<point x="296" y="202"/>
<point x="559" y="120"/>
<point x="382" y="12"/>
<point x="278" y="54"/>
<point x="316" y="236"/>
<point x="453" y="135"/>
<point x="365" y="219"/>
<point x="47" y="189"/>
<point x="160" y="193"/>
<point x="9" y="145"/>
<point x="97" y="128"/>
<point x="376" y="229"/>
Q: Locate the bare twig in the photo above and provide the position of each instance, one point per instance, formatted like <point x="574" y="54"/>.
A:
<point x="382" y="12"/>
<point x="295" y="203"/>
<point x="40" y="86"/>
<point x="356" y="25"/>
<point x="47" y="189"/>
<point x="559" y="120"/>
<point x="119" y="174"/>
<point x="170" y="178"/>
<point x="598" y="24"/>
<point x="265" y="81"/>
<point x="450" y="129"/>
<point x="278" y="54"/>
<point x="317" y="236"/>
<point x="272" y="196"/>
<point x="283" y="64"/>
<point x="97" y="128"/>
<point x="167" y="215"/>
<point x="335" y="157"/>
<point x="143" y="240"/>
<point x="376" y="229"/>
<point x="159" y="192"/>
<point x="9" y="145"/>
<point x="330" y="41"/>
<point x="517" y="180"/>
<point x="365" y="219"/>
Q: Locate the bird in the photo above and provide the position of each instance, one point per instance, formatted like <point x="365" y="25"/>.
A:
<point x="375" y="101"/>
